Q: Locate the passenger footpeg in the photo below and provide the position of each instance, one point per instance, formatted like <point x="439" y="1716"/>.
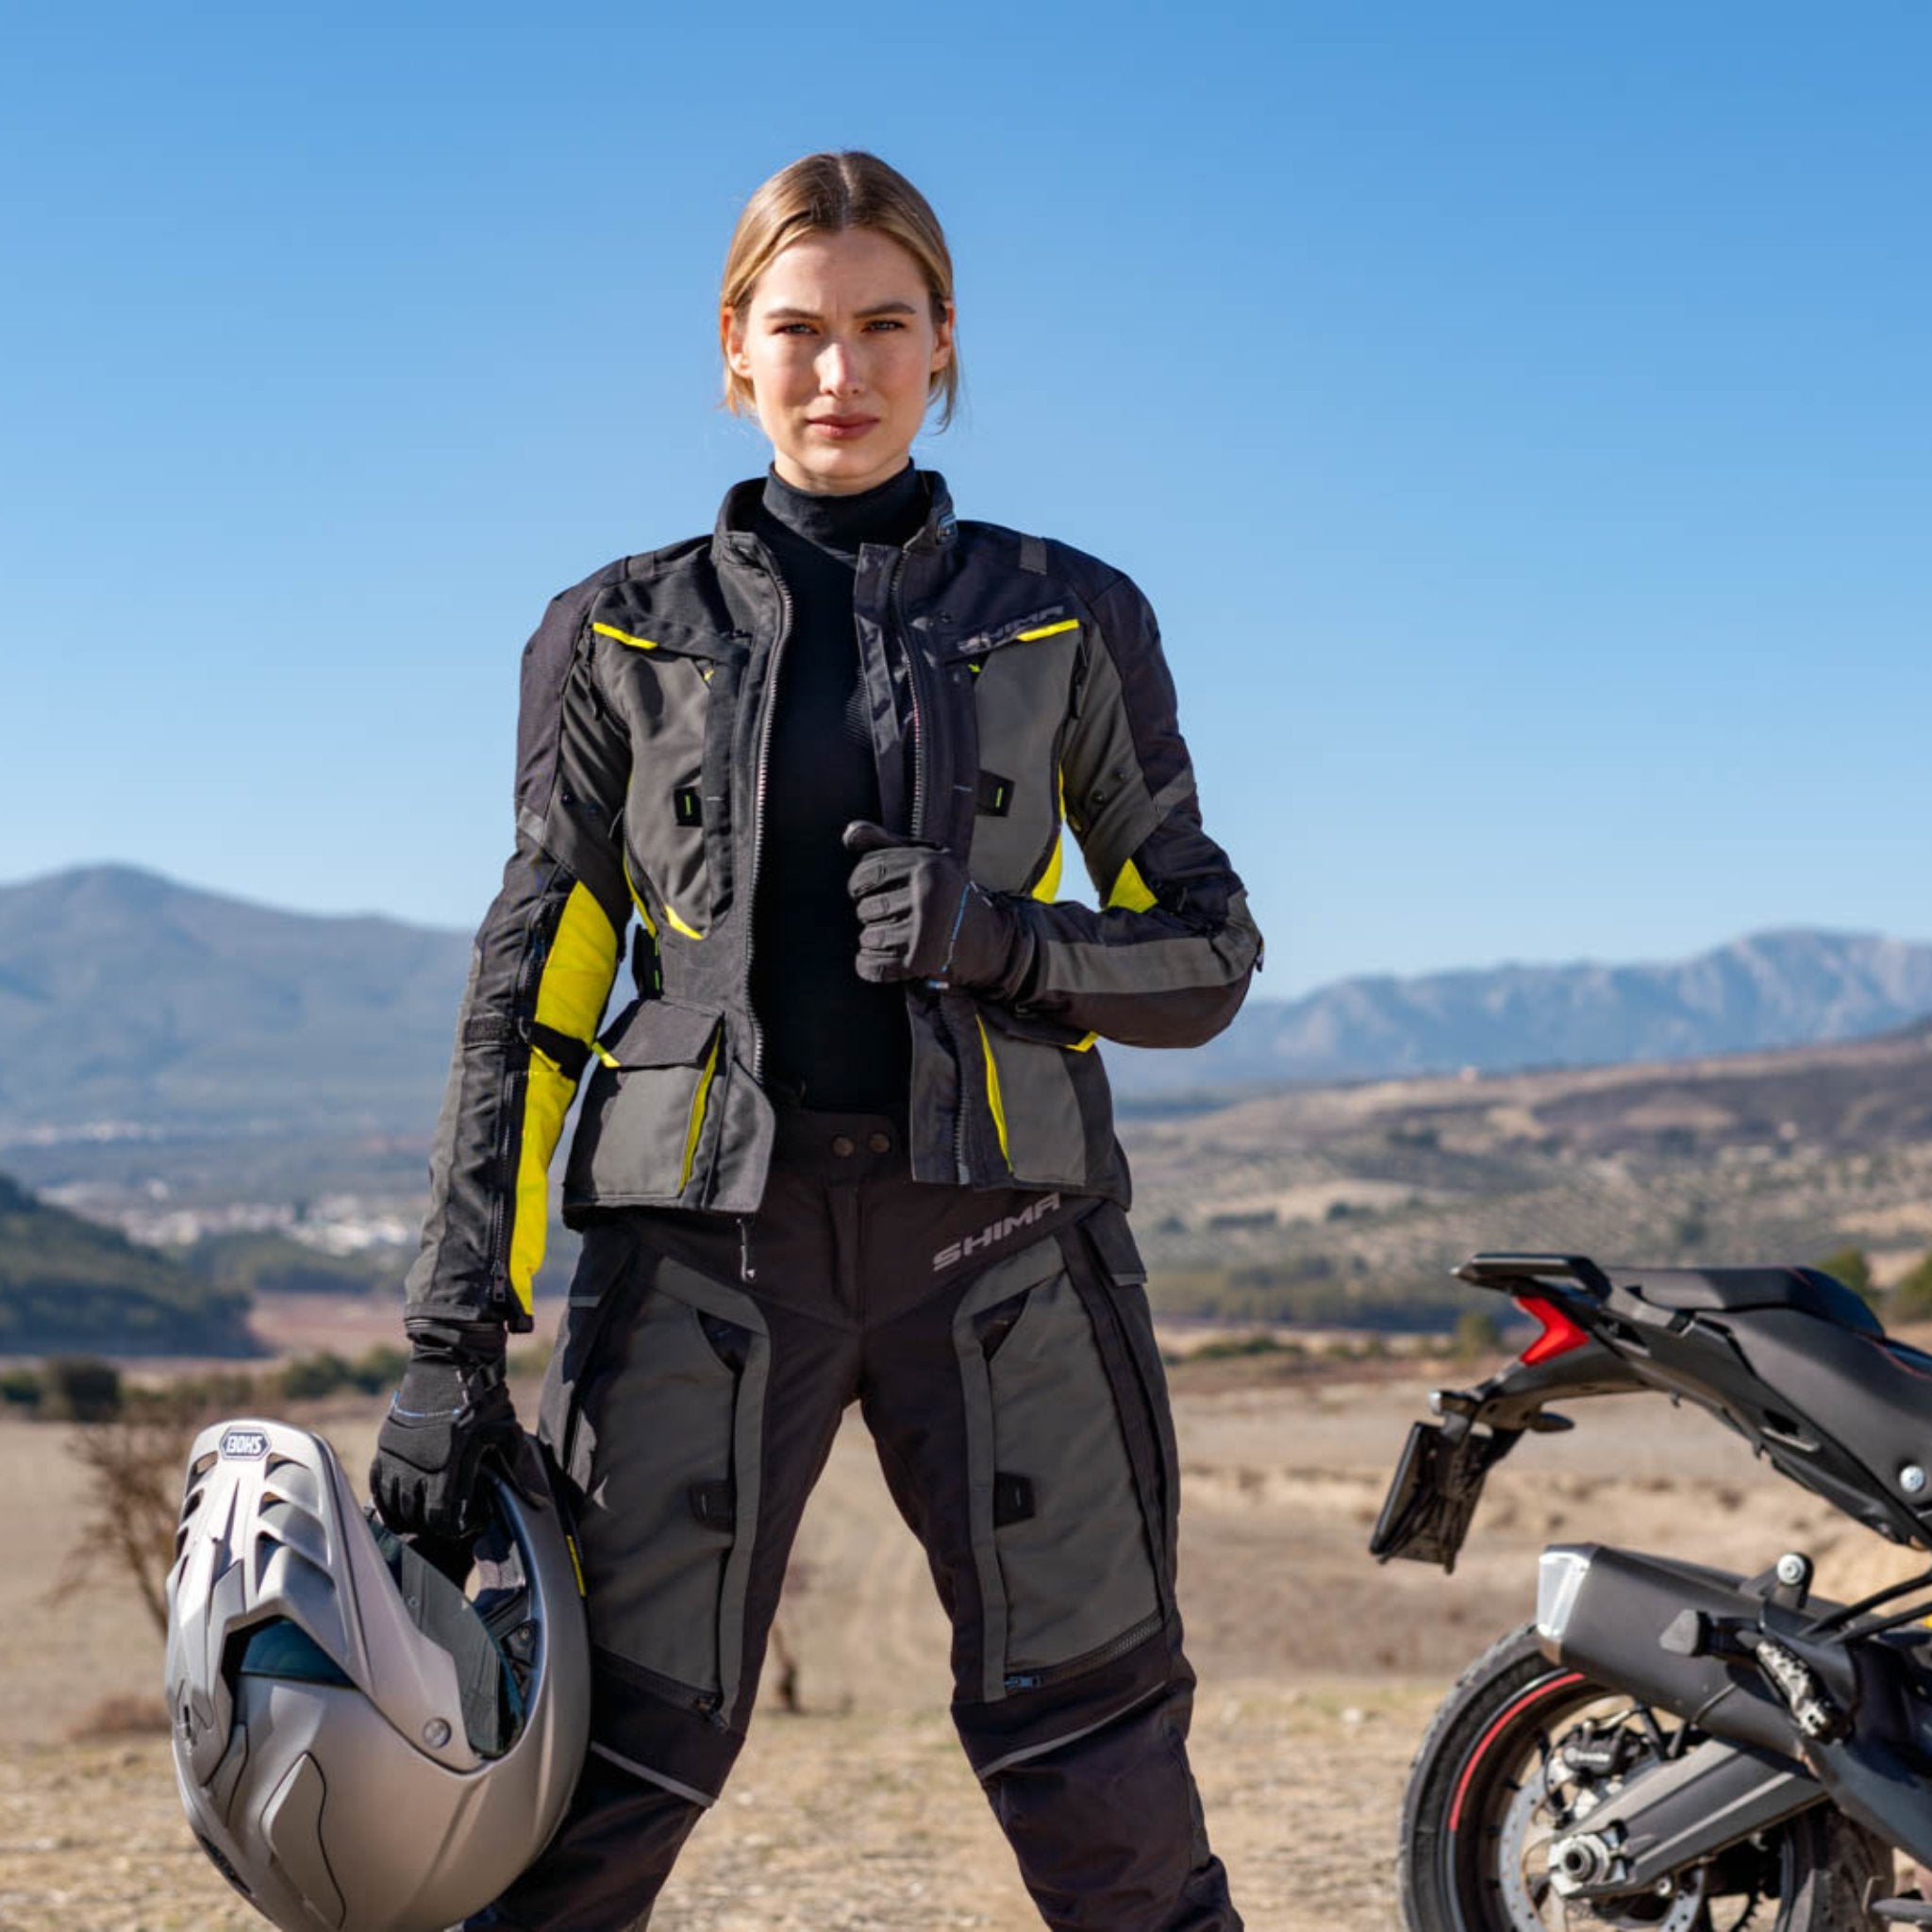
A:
<point x="1812" y="1707"/>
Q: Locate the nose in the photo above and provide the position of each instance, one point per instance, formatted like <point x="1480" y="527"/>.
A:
<point x="838" y="369"/>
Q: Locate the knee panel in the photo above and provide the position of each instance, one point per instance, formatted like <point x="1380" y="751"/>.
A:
<point x="1070" y="1492"/>
<point x="653" y="1412"/>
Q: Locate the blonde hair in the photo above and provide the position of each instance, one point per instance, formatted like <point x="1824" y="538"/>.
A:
<point x="826" y="195"/>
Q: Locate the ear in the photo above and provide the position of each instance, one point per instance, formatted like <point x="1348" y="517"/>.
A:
<point x="942" y="341"/>
<point x="731" y="341"/>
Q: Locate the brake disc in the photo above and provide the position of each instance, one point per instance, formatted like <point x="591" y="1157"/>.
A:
<point x="1638" y="1912"/>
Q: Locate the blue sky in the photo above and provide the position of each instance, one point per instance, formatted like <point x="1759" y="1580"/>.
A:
<point x="1521" y="417"/>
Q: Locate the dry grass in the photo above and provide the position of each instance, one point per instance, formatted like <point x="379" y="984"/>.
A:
<point x="1318" y="1671"/>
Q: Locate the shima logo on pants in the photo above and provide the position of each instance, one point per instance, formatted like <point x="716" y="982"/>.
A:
<point x="994" y="1232"/>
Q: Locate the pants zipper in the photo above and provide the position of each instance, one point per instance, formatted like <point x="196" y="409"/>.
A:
<point x="1114" y="1648"/>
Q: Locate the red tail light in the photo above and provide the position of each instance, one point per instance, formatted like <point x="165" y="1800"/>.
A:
<point x="1560" y="1333"/>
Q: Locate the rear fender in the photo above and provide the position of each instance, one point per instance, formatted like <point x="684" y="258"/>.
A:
<point x="1440" y="1477"/>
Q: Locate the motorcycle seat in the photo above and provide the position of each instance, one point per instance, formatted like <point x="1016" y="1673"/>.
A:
<point x="1732" y="1291"/>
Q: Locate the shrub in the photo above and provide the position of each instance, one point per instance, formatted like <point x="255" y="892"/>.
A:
<point x="22" y="1388"/>
<point x="134" y="1466"/>
<point x="1851" y="1267"/>
<point x="81" y="1389"/>
<point x="1911" y="1300"/>
<point x="1235" y="1347"/>
<point x="311" y="1376"/>
<point x="378" y="1370"/>
<point x="1476" y="1336"/>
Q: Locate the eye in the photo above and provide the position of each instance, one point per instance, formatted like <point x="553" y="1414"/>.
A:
<point x="791" y="328"/>
<point x="886" y="321"/>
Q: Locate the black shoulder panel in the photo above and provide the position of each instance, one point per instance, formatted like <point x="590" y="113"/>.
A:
<point x="547" y="660"/>
<point x="1083" y="575"/>
<point x="648" y="564"/>
<point x="1132" y="636"/>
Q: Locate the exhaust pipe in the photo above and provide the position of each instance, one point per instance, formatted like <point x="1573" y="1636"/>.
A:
<point x="1605" y="1611"/>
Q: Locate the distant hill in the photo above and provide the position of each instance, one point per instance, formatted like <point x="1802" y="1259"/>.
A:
<point x="124" y="997"/>
<point x="68" y="1286"/>
<point x="1353" y="1201"/>
<point x="127" y="998"/>
<point x="1774" y="990"/>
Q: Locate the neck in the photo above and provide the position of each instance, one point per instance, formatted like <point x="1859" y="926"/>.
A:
<point x="889" y="512"/>
<point x="808" y="484"/>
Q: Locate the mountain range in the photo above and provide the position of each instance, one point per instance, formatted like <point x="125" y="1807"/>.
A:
<point x="1776" y="988"/>
<point x="129" y="1002"/>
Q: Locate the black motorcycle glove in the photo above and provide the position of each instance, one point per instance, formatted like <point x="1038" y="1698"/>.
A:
<point x="451" y="1416"/>
<point x="920" y="917"/>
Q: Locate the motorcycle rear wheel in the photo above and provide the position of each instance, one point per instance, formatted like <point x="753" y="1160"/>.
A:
<point x="1477" y="1822"/>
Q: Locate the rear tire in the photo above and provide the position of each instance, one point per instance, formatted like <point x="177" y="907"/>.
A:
<point x="1467" y="1860"/>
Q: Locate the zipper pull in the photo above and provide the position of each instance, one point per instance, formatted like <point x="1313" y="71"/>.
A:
<point x="745" y="1270"/>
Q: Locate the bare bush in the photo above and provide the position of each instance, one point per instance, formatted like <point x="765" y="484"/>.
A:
<point x="134" y="1465"/>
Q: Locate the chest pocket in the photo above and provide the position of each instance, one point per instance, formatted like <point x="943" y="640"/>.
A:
<point x="1022" y="676"/>
<point x="676" y="690"/>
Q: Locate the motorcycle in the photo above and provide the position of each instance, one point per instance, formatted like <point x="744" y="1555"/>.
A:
<point x="1669" y="1746"/>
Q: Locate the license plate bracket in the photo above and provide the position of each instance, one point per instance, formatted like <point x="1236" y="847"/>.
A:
<point x="1432" y="1496"/>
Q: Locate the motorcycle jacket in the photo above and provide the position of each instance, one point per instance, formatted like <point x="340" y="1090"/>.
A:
<point x="1016" y="691"/>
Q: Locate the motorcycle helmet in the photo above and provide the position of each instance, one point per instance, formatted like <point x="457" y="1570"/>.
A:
<point x="363" y="1744"/>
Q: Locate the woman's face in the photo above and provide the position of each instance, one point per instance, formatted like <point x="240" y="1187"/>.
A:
<point x="840" y="346"/>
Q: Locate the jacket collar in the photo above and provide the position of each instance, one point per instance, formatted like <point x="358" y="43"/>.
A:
<point x="732" y="539"/>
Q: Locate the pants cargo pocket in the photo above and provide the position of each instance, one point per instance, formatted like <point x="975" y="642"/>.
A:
<point x="655" y="1425"/>
<point x="1068" y="1578"/>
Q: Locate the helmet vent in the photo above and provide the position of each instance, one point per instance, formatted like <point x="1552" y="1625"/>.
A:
<point x="293" y="1482"/>
<point x="283" y="1521"/>
<point x="289" y="1574"/>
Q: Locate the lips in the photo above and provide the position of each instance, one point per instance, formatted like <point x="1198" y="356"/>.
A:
<point x="842" y="429"/>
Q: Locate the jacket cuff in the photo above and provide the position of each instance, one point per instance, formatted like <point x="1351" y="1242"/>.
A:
<point x="456" y="1340"/>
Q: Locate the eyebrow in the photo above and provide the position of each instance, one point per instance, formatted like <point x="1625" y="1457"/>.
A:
<point x="812" y="314"/>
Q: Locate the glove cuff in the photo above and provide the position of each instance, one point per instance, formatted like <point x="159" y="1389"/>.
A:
<point x="992" y="950"/>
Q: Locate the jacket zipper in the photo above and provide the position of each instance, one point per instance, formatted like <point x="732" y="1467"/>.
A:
<point x="899" y="630"/>
<point x="918" y="830"/>
<point x="746" y="1271"/>
<point x="760" y="777"/>
<point x="502" y="1293"/>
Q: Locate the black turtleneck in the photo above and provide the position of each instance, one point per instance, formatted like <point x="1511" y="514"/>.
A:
<point x="833" y="1039"/>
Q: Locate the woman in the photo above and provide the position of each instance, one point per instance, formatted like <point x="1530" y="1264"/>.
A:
<point x="850" y="1142"/>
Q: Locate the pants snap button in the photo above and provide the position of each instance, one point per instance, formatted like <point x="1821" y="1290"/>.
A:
<point x="843" y="1144"/>
<point x="880" y="1143"/>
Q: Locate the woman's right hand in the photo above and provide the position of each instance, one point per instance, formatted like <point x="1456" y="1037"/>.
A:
<point x="920" y="917"/>
<point x="451" y="1415"/>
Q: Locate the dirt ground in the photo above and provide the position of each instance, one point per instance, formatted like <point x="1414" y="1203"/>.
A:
<point x="1318" y="1672"/>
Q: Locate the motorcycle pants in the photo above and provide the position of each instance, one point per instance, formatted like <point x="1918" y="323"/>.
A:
<point x="1001" y="1352"/>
